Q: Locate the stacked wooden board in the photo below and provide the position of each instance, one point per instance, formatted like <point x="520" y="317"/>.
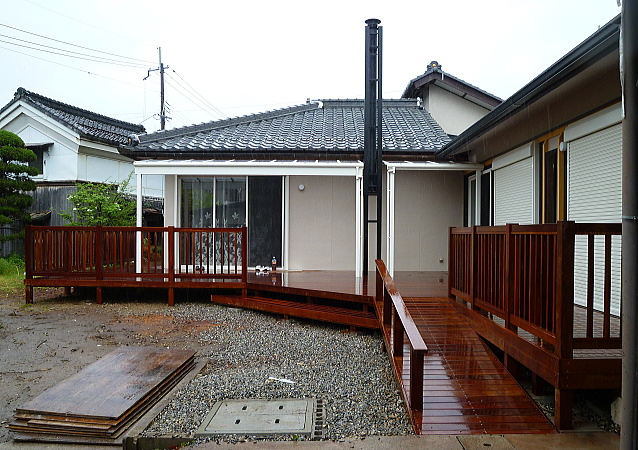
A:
<point x="99" y="403"/>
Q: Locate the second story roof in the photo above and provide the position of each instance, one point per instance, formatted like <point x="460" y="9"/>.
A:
<point x="435" y="75"/>
<point x="87" y="124"/>
<point x="317" y="130"/>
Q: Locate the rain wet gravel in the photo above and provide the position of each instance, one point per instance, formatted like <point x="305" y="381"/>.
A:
<point x="253" y="351"/>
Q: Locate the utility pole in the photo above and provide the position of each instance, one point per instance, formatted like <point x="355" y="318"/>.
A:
<point x="162" y="107"/>
<point x="161" y="68"/>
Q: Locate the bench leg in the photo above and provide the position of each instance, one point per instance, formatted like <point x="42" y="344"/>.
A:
<point x="563" y="408"/>
<point x="28" y="294"/>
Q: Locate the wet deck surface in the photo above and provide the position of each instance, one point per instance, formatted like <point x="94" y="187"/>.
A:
<point x="466" y="390"/>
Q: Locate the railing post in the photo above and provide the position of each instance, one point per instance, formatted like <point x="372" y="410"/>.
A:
<point x="565" y="235"/>
<point x="508" y="304"/>
<point x="28" y="262"/>
<point x="397" y="334"/>
<point x="451" y="263"/>
<point x="99" y="261"/>
<point x="473" y="265"/>
<point x="244" y="260"/>
<point x="565" y="289"/>
<point x="171" y="265"/>
<point x="416" y="379"/>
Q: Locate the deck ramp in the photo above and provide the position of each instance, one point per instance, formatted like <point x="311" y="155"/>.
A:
<point x="466" y="390"/>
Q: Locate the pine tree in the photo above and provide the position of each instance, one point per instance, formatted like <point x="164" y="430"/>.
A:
<point x="15" y="181"/>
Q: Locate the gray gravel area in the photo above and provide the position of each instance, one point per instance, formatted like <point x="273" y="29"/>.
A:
<point x="348" y="371"/>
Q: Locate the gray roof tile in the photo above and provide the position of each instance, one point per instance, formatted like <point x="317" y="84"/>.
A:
<point x="323" y="126"/>
<point x="87" y="124"/>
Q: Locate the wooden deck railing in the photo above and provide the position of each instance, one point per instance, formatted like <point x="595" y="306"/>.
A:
<point x="524" y="274"/>
<point x="395" y="316"/>
<point x="163" y="256"/>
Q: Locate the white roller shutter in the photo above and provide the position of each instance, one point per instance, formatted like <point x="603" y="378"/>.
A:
<point x="595" y="195"/>
<point x="514" y="193"/>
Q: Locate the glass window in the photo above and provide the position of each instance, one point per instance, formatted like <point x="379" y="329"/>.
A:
<point x="213" y="202"/>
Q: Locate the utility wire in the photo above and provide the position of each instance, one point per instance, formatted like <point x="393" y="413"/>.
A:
<point x="189" y="98"/>
<point x="83" y="56"/>
<point x="73" y="68"/>
<point x="75" y="45"/>
<point x="213" y="107"/>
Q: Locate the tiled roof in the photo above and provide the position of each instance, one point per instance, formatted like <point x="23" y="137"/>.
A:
<point x="89" y="125"/>
<point x="435" y="74"/>
<point x="332" y="126"/>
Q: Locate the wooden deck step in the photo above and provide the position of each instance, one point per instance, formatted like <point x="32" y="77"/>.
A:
<point x="325" y="313"/>
<point x="466" y="389"/>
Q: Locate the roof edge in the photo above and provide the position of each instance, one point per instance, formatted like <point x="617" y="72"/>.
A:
<point x="592" y="47"/>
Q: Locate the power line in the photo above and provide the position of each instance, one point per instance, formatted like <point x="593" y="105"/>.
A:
<point x="73" y="45"/>
<point x="213" y="107"/>
<point x="202" y="104"/>
<point x="73" y="68"/>
<point x="83" y="56"/>
<point x="84" y="23"/>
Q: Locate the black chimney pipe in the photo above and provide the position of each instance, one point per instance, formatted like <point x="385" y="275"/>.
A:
<point x="372" y="142"/>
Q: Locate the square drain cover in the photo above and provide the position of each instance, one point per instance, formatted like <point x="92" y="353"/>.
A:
<point x="259" y="417"/>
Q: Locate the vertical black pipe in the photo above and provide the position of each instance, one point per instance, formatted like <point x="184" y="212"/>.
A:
<point x="629" y="61"/>
<point x="379" y="147"/>
<point x="370" y="170"/>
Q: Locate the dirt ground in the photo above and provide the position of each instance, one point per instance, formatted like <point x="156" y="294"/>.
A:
<point x="50" y="340"/>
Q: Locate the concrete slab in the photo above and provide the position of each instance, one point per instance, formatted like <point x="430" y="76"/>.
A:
<point x="259" y="417"/>
<point x="482" y="442"/>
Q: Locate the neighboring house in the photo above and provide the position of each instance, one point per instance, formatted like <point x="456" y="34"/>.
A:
<point x="452" y="102"/>
<point x="72" y="145"/>
<point x="294" y="176"/>
<point x="553" y="151"/>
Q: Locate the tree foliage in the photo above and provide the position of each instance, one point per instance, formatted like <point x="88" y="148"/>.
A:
<point x="105" y="204"/>
<point x="15" y="181"/>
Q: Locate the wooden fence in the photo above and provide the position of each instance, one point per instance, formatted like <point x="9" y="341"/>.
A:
<point x="164" y="257"/>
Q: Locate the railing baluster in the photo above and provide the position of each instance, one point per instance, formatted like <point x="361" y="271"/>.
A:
<point x="607" y="292"/>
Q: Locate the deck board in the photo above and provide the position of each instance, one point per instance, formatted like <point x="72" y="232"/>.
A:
<point x="466" y="390"/>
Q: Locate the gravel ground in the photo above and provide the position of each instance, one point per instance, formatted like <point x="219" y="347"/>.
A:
<point x="348" y="371"/>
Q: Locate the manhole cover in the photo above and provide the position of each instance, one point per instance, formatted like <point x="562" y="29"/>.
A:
<point x="259" y="417"/>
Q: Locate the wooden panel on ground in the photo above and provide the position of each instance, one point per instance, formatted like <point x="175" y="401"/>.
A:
<point x="100" y="402"/>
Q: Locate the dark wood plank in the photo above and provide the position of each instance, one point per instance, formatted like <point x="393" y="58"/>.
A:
<point x="112" y="385"/>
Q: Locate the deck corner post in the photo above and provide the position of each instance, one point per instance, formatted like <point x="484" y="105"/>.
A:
<point x="28" y="294"/>
<point x="98" y="295"/>
<point x="416" y="379"/>
<point x="171" y="257"/>
<point x="565" y="238"/>
<point x="563" y="408"/>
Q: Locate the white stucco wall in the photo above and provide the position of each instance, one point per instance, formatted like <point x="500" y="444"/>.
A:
<point x="427" y="203"/>
<point x="322" y="223"/>
<point x="453" y="113"/>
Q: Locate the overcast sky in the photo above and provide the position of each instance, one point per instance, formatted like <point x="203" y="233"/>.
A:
<point x="230" y="58"/>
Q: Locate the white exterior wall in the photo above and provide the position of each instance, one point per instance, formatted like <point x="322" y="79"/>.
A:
<point x="453" y="113"/>
<point x="322" y="223"/>
<point x="427" y="203"/>
<point x="69" y="161"/>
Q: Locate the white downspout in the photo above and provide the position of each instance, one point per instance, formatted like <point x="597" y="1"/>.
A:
<point x="359" y="224"/>
<point x="286" y="219"/>
<point x="390" y="219"/>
